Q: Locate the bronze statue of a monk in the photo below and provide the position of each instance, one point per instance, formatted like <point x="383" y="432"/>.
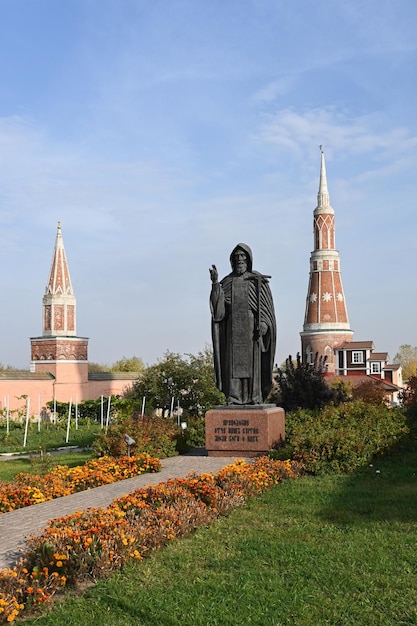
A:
<point x="243" y="330"/>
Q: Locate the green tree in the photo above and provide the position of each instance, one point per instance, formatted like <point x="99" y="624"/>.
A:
<point x="188" y="379"/>
<point x="9" y="368"/>
<point x="408" y="396"/>
<point x="302" y="385"/>
<point x="370" y="391"/>
<point x="407" y="358"/>
<point x="97" y="367"/>
<point x="133" y="364"/>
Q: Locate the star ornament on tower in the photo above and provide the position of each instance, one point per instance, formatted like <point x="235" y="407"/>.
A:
<point x="327" y="296"/>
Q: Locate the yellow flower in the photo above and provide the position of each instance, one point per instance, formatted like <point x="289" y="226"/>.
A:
<point x="12" y="615"/>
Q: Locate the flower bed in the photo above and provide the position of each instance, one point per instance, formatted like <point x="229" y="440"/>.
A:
<point x="30" y="489"/>
<point x="91" y="544"/>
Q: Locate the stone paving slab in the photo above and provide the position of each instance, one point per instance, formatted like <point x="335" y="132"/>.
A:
<point x="17" y="525"/>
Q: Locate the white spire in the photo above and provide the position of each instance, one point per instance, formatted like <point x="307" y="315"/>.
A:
<point x="323" y="198"/>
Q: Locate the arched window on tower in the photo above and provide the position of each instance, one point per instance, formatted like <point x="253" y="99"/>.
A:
<point x="309" y="355"/>
<point x="328" y="353"/>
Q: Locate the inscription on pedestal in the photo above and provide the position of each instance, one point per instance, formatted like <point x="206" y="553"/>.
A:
<point x="236" y="430"/>
<point x="250" y="431"/>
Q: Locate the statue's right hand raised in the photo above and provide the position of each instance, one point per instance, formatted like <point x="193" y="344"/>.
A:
<point x="214" y="274"/>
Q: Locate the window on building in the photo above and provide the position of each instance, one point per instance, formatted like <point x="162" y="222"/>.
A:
<point x="309" y="355"/>
<point x="375" y="368"/>
<point x="357" y="357"/>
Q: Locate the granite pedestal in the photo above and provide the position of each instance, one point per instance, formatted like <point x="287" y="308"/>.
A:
<point x="246" y="431"/>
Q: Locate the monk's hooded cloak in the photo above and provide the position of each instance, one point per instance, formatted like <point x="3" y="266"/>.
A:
<point x="243" y="358"/>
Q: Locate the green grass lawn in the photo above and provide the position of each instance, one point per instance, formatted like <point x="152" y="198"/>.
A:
<point x="39" y="465"/>
<point x="49" y="436"/>
<point x="339" y="550"/>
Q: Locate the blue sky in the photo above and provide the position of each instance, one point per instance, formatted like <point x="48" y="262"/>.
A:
<point x="162" y="133"/>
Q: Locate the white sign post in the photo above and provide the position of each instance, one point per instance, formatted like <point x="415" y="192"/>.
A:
<point x="69" y="420"/>
<point x="6" y="402"/>
<point x="27" y="421"/>
<point x="108" y="414"/>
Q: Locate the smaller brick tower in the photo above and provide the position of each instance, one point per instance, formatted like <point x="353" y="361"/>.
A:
<point x="326" y="324"/>
<point x="59" y="351"/>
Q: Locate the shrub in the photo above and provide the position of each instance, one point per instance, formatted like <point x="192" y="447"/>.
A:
<point x="302" y="385"/>
<point x="194" y="436"/>
<point x="343" y="438"/>
<point x="370" y="391"/>
<point x="155" y="435"/>
<point x="93" y="410"/>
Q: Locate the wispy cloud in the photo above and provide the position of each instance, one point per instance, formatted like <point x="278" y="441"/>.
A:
<point x="41" y="178"/>
<point x="271" y="91"/>
<point x="340" y="132"/>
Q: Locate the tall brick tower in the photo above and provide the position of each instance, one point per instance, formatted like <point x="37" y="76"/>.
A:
<point x="59" y="351"/>
<point x="326" y="324"/>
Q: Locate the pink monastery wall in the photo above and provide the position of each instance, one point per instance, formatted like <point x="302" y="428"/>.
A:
<point x="42" y="391"/>
<point x="98" y="388"/>
<point x="11" y="392"/>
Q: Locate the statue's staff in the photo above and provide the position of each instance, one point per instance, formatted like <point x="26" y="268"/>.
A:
<point x="259" y="279"/>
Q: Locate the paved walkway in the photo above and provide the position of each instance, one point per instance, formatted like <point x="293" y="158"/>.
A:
<point x="17" y="525"/>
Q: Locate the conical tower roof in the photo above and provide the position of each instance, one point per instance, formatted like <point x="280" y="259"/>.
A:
<point x="59" y="304"/>
<point x="59" y="282"/>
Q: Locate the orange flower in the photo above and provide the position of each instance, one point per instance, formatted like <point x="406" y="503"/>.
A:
<point x="88" y="543"/>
